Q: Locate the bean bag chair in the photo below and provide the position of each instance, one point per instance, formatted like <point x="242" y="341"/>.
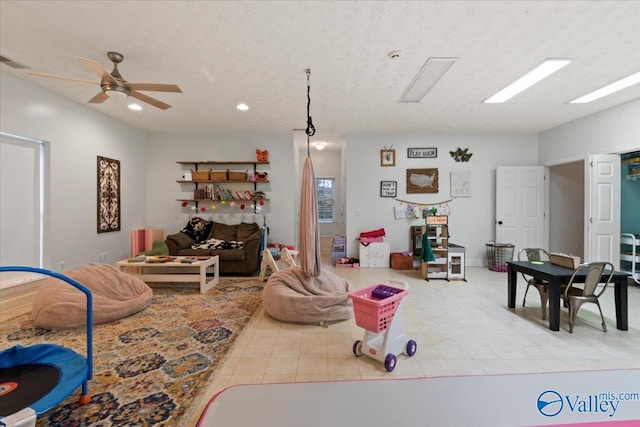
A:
<point x="59" y="305"/>
<point x="289" y="296"/>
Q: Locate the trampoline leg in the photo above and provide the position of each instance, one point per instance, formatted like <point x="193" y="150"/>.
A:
<point x="85" y="397"/>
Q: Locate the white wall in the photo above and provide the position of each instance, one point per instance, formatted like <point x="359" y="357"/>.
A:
<point x="616" y="130"/>
<point x="77" y="135"/>
<point x="163" y="190"/>
<point x="471" y="221"/>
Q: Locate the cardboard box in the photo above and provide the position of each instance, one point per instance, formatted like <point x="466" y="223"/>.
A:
<point x="399" y="261"/>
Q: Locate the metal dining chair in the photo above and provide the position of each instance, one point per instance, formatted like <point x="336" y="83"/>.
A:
<point x="596" y="282"/>
<point x="536" y="254"/>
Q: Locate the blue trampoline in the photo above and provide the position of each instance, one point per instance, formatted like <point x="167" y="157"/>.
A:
<point x="41" y="376"/>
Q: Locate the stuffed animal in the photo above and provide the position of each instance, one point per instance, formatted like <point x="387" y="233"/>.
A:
<point x="261" y="176"/>
<point x="262" y="156"/>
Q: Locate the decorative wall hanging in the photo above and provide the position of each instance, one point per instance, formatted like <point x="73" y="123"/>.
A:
<point x="461" y="184"/>
<point x="108" y="195"/>
<point x="387" y="157"/>
<point x="388" y="188"/>
<point x="422" y="181"/>
<point x="461" y="155"/>
<point x="415" y="210"/>
<point x="422" y="153"/>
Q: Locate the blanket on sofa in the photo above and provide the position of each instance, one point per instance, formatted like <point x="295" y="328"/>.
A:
<point x="291" y="297"/>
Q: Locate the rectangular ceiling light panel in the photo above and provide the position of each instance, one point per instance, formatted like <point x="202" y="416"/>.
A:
<point x="427" y="77"/>
<point x="609" y="89"/>
<point x="543" y="70"/>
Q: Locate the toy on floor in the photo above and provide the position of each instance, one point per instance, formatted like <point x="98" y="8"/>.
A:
<point x="378" y="309"/>
<point x="37" y="378"/>
<point x="269" y="262"/>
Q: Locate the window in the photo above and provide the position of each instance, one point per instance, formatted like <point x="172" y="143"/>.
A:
<point x="325" y="192"/>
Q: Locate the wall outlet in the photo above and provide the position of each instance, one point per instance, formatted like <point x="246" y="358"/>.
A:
<point x="102" y="257"/>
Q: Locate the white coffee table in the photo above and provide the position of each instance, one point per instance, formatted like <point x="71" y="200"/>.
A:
<point x="152" y="272"/>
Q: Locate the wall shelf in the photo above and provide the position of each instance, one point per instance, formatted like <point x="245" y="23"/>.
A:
<point x="234" y="183"/>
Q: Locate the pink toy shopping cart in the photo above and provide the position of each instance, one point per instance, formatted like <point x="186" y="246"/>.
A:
<point x="378" y="309"/>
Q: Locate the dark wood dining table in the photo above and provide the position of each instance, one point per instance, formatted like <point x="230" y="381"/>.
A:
<point x="556" y="276"/>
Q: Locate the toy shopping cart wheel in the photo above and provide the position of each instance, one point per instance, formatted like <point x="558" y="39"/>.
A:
<point x="378" y="309"/>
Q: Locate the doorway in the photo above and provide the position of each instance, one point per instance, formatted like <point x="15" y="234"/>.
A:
<point x="328" y="157"/>
<point x="585" y="206"/>
<point x="566" y="208"/>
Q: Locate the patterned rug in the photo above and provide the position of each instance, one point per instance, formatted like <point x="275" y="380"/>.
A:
<point x="149" y="369"/>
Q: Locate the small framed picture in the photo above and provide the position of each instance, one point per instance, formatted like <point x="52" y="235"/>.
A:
<point x="388" y="188"/>
<point x="387" y="157"/>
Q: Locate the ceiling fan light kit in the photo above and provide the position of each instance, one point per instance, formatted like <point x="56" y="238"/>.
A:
<point x="114" y="84"/>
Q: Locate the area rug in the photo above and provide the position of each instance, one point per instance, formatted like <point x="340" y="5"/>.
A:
<point x="149" y="369"/>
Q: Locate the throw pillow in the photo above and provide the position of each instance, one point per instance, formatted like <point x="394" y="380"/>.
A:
<point x="159" y="248"/>
<point x="198" y="228"/>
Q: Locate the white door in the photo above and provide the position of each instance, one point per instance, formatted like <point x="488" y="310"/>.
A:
<point x="602" y="209"/>
<point x="521" y="200"/>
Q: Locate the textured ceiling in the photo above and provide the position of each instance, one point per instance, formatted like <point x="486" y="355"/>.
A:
<point x="223" y="53"/>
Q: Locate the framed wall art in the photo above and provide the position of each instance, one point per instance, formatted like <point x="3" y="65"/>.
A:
<point x="461" y="184"/>
<point x="387" y="157"/>
<point x="422" y="153"/>
<point x="108" y="195"/>
<point x="388" y="188"/>
<point x="422" y="180"/>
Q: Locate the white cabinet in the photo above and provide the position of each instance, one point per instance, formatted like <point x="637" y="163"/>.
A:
<point x="375" y="255"/>
<point x="630" y="255"/>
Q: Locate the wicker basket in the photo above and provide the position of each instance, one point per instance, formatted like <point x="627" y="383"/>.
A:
<point x="237" y="176"/>
<point x="498" y="254"/>
<point x="218" y="175"/>
<point x="200" y="175"/>
<point x="568" y="261"/>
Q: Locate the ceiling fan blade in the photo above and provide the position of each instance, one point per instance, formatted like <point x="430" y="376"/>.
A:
<point x="97" y="68"/>
<point x="70" y="79"/>
<point x="149" y="100"/>
<point x="155" y="87"/>
<point x="99" y="98"/>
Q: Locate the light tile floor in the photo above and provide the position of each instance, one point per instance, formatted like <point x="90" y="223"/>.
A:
<point x="461" y="328"/>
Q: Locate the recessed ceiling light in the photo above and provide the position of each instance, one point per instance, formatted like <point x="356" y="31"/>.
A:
<point x="242" y="107"/>
<point x="427" y="77"/>
<point x="320" y="145"/>
<point x="609" y="89"/>
<point x="543" y="70"/>
<point x="135" y="107"/>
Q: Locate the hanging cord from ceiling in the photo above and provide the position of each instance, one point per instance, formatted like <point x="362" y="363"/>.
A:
<point x="311" y="130"/>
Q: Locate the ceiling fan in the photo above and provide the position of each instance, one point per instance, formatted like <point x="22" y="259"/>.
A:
<point x="114" y="82"/>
